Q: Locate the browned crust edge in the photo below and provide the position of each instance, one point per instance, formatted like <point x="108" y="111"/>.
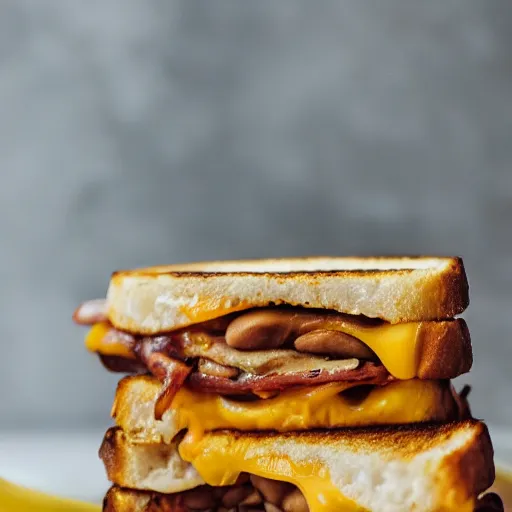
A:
<point x="456" y="288"/>
<point x="456" y="267"/>
<point x="445" y="350"/>
<point x="118" y="499"/>
<point x="473" y="466"/>
<point x="109" y="453"/>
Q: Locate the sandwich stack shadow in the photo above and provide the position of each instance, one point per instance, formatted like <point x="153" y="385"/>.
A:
<point x="318" y="384"/>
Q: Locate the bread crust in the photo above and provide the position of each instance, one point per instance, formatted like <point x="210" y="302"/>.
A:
<point x="126" y="500"/>
<point x="444" y="349"/>
<point x="475" y="465"/>
<point x="401" y="289"/>
<point x="146" y="466"/>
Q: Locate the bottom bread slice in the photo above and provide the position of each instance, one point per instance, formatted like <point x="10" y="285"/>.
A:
<point x="248" y="493"/>
<point x="241" y="498"/>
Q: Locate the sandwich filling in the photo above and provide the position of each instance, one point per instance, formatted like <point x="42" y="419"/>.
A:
<point x="310" y="391"/>
<point x="260" y="352"/>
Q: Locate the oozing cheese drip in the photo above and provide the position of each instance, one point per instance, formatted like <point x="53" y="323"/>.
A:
<point x="220" y="464"/>
<point x="220" y="460"/>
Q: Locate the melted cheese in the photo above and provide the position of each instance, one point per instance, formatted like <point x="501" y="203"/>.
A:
<point x="314" y="407"/>
<point x="220" y="464"/>
<point x="208" y="309"/>
<point x="396" y="345"/>
<point x="220" y="460"/>
<point x="98" y="340"/>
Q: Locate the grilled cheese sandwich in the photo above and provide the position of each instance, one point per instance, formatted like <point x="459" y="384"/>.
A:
<point x="290" y="385"/>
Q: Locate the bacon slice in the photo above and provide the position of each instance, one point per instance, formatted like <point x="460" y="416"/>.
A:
<point x="171" y="372"/>
<point x="91" y="312"/>
<point x="366" y="373"/>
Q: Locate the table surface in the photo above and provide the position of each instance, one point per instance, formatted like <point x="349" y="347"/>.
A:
<point x="59" y="463"/>
<point x="67" y="463"/>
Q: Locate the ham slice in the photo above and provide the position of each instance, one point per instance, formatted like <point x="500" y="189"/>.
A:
<point x="366" y="373"/>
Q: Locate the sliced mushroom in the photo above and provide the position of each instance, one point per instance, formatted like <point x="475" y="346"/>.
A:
<point x="333" y="343"/>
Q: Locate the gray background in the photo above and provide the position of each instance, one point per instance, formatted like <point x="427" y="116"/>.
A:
<point x="143" y="132"/>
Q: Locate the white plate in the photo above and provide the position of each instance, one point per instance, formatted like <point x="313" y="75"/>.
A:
<point x="67" y="463"/>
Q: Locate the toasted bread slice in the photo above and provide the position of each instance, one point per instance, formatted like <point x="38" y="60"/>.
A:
<point x="395" y="289"/>
<point x="156" y="467"/>
<point x="128" y="500"/>
<point x="243" y="497"/>
<point x="419" y="467"/>
<point x="296" y="409"/>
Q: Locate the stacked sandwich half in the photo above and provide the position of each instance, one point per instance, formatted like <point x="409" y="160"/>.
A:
<point x="316" y="384"/>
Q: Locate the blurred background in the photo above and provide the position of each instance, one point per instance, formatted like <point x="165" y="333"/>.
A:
<point x="135" y="133"/>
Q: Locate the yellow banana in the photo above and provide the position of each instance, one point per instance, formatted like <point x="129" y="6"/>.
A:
<point x="14" y="498"/>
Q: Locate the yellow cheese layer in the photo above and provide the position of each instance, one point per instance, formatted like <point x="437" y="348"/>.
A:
<point x="314" y="407"/>
<point x="394" y="344"/>
<point x="97" y="340"/>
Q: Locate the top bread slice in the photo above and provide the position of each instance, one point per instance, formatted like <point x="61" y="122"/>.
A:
<point x="394" y="289"/>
